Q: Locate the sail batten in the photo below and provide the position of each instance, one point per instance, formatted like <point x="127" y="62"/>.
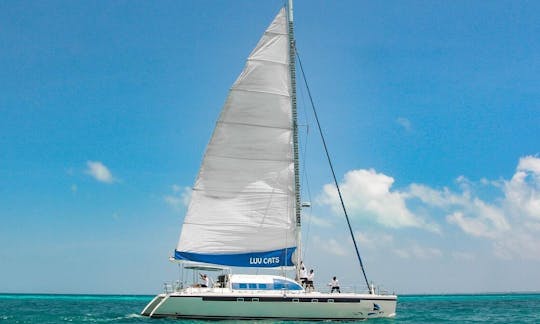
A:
<point x="260" y="91"/>
<point x="254" y="125"/>
<point x="242" y="205"/>
<point x="268" y="61"/>
<point x="240" y="192"/>
<point x="248" y="159"/>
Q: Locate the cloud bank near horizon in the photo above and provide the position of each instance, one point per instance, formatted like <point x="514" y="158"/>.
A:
<point x="509" y="219"/>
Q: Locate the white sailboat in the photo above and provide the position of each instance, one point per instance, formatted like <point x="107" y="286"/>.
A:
<point x="245" y="206"/>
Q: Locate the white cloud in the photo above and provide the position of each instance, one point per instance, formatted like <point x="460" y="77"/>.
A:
<point x="491" y="215"/>
<point x="522" y="192"/>
<point x="173" y="201"/>
<point x="510" y="219"/>
<point x="521" y="204"/>
<point x="416" y="251"/>
<point x="530" y="163"/>
<point x="368" y="194"/>
<point x="180" y="196"/>
<point x="471" y="214"/>
<point x="324" y="244"/>
<point x="522" y="244"/>
<point x="471" y="225"/>
<point x="484" y="221"/>
<point x="405" y="123"/>
<point x="374" y="240"/>
<point x="332" y="246"/>
<point x="437" y="198"/>
<point x="511" y="223"/>
<point x="99" y="171"/>
<point x="381" y="241"/>
<point x="317" y="221"/>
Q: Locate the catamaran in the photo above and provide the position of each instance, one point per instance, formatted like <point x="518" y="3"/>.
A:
<point x="245" y="209"/>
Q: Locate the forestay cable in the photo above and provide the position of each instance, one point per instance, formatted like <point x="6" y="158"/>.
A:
<point x="333" y="173"/>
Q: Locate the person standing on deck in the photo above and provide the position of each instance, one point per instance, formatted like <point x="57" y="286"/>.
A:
<point x="303" y="275"/>
<point x="334" y="285"/>
<point x="309" y="281"/>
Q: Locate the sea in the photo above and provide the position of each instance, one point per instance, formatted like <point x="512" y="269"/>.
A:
<point x="479" y="308"/>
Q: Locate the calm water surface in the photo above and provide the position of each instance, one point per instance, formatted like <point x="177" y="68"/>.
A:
<point x="493" y="308"/>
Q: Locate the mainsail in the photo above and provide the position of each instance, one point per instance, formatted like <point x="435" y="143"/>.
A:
<point x="242" y="206"/>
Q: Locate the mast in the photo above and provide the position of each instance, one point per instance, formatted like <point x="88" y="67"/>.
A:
<point x="297" y="209"/>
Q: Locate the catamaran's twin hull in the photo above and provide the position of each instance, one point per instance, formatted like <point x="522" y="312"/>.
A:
<point x="304" y="306"/>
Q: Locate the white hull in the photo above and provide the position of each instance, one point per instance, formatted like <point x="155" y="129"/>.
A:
<point x="227" y="304"/>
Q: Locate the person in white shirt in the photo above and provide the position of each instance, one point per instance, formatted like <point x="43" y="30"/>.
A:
<point x="206" y="280"/>
<point x="303" y="275"/>
<point x="309" y="281"/>
<point x="334" y="284"/>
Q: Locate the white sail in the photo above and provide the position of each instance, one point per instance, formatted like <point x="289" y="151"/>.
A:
<point x="242" y="207"/>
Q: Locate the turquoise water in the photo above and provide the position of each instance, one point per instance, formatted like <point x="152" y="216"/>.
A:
<point x="492" y="308"/>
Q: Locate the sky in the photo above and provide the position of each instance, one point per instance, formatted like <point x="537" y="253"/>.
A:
<point x="431" y="111"/>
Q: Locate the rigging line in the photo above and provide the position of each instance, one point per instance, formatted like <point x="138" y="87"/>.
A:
<point x="305" y="171"/>
<point x="333" y="173"/>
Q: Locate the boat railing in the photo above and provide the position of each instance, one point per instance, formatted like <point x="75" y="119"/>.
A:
<point x="174" y="286"/>
<point x="378" y="290"/>
<point x="349" y="289"/>
<point x="186" y="287"/>
<point x="177" y="286"/>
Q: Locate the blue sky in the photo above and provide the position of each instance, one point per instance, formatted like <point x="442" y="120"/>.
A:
<point x="431" y="111"/>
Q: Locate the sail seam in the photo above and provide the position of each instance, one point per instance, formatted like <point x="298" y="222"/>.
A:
<point x="243" y="191"/>
<point x="233" y="223"/>
<point x="269" y="61"/>
<point x="249" y="159"/>
<point x="260" y="91"/>
<point x="274" y="33"/>
<point x="253" y="125"/>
